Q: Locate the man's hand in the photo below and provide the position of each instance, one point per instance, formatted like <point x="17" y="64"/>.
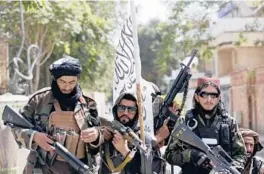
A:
<point x="174" y="108"/>
<point x="163" y="132"/>
<point x="89" y="135"/>
<point x="106" y="133"/>
<point x="161" y="144"/>
<point x="43" y="141"/>
<point x="120" y="144"/>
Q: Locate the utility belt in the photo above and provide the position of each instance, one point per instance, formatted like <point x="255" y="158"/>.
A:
<point x="64" y="128"/>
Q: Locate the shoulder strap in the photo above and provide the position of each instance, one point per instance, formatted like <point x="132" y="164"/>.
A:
<point x="120" y="167"/>
<point x="57" y="105"/>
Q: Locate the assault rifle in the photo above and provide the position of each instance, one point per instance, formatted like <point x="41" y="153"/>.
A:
<point x="132" y="138"/>
<point x="129" y="135"/>
<point x="14" y="119"/>
<point x="179" y="85"/>
<point x="220" y="159"/>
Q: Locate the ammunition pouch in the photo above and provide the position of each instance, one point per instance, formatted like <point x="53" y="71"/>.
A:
<point x="225" y="139"/>
<point x="64" y="128"/>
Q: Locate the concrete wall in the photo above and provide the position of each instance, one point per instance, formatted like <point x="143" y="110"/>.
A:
<point x="239" y="94"/>
<point x="247" y="93"/>
<point x="12" y="159"/>
<point x="249" y="57"/>
<point x="224" y="62"/>
<point x="236" y="58"/>
<point x="259" y="98"/>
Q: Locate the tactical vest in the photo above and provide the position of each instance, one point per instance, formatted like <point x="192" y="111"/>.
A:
<point x="63" y="126"/>
<point x="218" y="133"/>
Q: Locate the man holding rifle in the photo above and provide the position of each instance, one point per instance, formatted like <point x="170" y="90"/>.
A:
<point x="119" y="155"/>
<point x="162" y="133"/>
<point x="210" y="122"/>
<point x="62" y="112"/>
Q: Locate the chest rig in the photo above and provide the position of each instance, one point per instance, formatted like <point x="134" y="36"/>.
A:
<point x="65" y="126"/>
<point x="216" y="133"/>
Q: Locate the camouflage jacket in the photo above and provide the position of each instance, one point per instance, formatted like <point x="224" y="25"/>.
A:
<point x="37" y="111"/>
<point x="179" y="154"/>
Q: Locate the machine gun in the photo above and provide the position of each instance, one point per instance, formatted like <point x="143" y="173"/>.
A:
<point x="179" y="85"/>
<point x="220" y="159"/>
<point x="14" y="119"/>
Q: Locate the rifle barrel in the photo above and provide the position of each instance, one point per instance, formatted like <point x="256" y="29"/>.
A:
<point x="194" y="52"/>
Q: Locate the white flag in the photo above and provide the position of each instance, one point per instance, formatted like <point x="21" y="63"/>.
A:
<point x="125" y="74"/>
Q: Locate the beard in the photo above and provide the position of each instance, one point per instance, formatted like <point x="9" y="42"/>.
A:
<point x="203" y="111"/>
<point x="126" y="121"/>
<point x="248" y="154"/>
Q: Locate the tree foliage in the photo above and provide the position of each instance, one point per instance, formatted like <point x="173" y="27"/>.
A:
<point x="164" y="44"/>
<point x="77" y="28"/>
<point x="147" y="38"/>
<point x="186" y="29"/>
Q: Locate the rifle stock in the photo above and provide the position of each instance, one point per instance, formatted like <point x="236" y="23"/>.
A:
<point x="18" y="121"/>
<point x="14" y="119"/>
<point x="220" y="159"/>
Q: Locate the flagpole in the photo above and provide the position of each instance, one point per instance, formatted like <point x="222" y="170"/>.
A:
<point x="138" y="71"/>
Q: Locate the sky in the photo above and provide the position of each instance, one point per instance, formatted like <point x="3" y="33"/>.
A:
<point x="149" y="9"/>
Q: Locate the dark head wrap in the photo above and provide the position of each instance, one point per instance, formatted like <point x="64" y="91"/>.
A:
<point x="66" y="66"/>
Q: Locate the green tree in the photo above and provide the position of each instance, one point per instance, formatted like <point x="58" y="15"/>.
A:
<point x="147" y="38"/>
<point x="164" y="44"/>
<point x="185" y="29"/>
<point x="78" y="28"/>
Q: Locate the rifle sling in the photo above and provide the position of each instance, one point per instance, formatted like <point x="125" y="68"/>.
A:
<point x="120" y="167"/>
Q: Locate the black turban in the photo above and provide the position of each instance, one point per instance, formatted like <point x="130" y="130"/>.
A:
<point x="66" y="66"/>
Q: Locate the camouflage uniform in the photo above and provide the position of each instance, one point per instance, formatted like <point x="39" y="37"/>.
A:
<point x="37" y="112"/>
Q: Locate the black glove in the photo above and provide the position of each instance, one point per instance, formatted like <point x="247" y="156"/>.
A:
<point x="199" y="158"/>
